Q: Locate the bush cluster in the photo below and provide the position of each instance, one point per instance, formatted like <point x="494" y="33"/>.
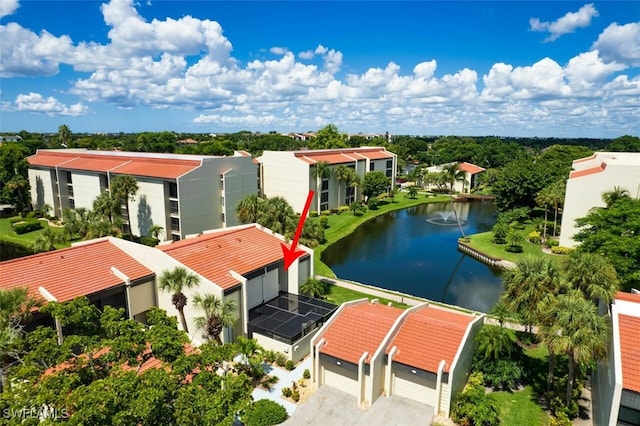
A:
<point x="24" y="227"/>
<point x="289" y="365"/>
<point x="534" y="237"/>
<point x="561" y="250"/>
<point x="473" y="406"/>
<point x="306" y="374"/>
<point x="264" y="412"/>
<point x="281" y="359"/>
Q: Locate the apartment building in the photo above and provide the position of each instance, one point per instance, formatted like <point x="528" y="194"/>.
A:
<point x="290" y="174"/>
<point x="185" y="194"/>
<point x="590" y="178"/>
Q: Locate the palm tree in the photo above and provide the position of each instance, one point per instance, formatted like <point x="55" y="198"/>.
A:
<point x="413" y="191"/>
<point x="357" y="208"/>
<point x="454" y="174"/>
<point x="543" y="199"/>
<point x="106" y="205"/>
<point x="313" y="288"/>
<point x="342" y="174"/>
<point x="593" y="275"/>
<point x="618" y="193"/>
<point x="124" y="188"/>
<point x="218" y="314"/>
<point x="248" y="209"/>
<point x="494" y="343"/>
<point x="176" y="281"/>
<point x="353" y="181"/>
<point x="277" y="215"/>
<point x="579" y="332"/>
<point x="321" y="170"/>
<point x="64" y="134"/>
<point x="47" y="240"/>
<point x="248" y="348"/>
<point x="556" y="196"/>
<point x="533" y="280"/>
<point x="501" y="312"/>
<point x="155" y="231"/>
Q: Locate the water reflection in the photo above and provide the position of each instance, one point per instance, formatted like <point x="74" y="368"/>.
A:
<point x="403" y="251"/>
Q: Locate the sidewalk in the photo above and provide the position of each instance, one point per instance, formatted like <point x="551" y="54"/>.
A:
<point x="375" y="291"/>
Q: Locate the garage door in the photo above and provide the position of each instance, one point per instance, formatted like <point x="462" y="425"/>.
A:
<point x="262" y="288"/>
<point x="414" y="386"/>
<point x="340" y="377"/>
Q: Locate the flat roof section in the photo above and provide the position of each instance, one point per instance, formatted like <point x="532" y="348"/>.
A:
<point x="289" y="317"/>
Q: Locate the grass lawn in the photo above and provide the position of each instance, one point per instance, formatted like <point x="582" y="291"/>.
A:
<point x="520" y="408"/>
<point x="8" y="234"/>
<point x="338" y="295"/>
<point x="341" y="225"/>
<point x="482" y="242"/>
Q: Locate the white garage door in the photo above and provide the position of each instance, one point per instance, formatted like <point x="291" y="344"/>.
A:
<point x="262" y="288"/>
<point x="340" y="378"/>
<point x="414" y="386"/>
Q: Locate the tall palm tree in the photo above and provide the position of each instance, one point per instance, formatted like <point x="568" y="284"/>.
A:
<point x="47" y="240"/>
<point x="248" y="209"/>
<point x="107" y="206"/>
<point x="543" y="199"/>
<point x="277" y="215"/>
<point x="155" y="231"/>
<point x="218" y="314"/>
<point x="454" y="174"/>
<point x="321" y="170"/>
<point x="64" y="134"/>
<point x="124" y="188"/>
<point x="593" y="275"/>
<point x="579" y="332"/>
<point x="618" y="193"/>
<point x="176" y="281"/>
<point x="533" y="280"/>
<point x="556" y="196"/>
<point x="354" y="181"/>
<point x="342" y="174"/>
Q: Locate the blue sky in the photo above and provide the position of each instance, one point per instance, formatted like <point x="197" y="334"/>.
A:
<point x="509" y="68"/>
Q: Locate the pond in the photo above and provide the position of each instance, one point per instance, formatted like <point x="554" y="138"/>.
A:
<point x="414" y="251"/>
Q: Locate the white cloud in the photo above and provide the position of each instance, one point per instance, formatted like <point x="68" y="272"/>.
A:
<point x="35" y="102"/>
<point x="307" y="54"/>
<point x="278" y="50"/>
<point x="566" y="24"/>
<point x="620" y="43"/>
<point x="8" y="7"/>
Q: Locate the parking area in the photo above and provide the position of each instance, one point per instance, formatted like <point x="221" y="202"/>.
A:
<point x="329" y="406"/>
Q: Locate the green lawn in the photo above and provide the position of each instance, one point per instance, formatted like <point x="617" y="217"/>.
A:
<point x="8" y="234"/>
<point x="520" y="408"/>
<point x="338" y="295"/>
<point x="341" y="225"/>
<point x="482" y="242"/>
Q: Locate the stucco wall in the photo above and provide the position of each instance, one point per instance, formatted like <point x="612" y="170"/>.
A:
<point x="142" y="297"/>
<point x="86" y="187"/>
<point x="148" y="208"/>
<point x="286" y="176"/>
<point x="43" y="190"/>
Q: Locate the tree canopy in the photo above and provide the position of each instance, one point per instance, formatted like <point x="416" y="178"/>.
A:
<point x="374" y="184"/>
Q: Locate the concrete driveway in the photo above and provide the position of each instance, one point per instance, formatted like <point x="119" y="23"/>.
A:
<point x="329" y="406"/>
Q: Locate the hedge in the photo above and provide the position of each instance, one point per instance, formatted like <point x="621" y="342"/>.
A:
<point x="24" y="227"/>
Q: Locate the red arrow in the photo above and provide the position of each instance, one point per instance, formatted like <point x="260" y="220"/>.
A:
<point x="291" y="254"/>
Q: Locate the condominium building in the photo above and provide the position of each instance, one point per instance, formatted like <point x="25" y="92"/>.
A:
<point x="185" y="194"/>
<point x="590" y="178"/>
<point x="290" y="174"/>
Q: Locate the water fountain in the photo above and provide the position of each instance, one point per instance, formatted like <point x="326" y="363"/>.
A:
<point x="446" y="218"/>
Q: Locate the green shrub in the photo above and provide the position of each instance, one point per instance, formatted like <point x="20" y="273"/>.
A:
<point x="500" y="231"/>
<point x="534" y="237"/>
<point x="15" y="220"/>
<point x="295" y="396"/>
<point x="269" y="356"/>
<point x="264" y="412"/>
<point x="306" y="374"/>
<point x="286" y="392"/>
<point x="561" y="250"/>
<point x="502" y="374"/>
<point x="519" y="215"/>
<point x="553" y="243"/>
<point x="372" y="204"/>
<point x="32" y="215"/>
<point x="24" y="227"/>
<point x="281" y="359"/>
<point x="334" y="211"/>
<point x="149" y="241"/>
<point x="313" y="213"/>
<point x="343" y="209"/>
<point x="325" y="213"/>
<point x="324" y="221"/>
<point x="473" y="406"/>
<point x="289" y="365"/>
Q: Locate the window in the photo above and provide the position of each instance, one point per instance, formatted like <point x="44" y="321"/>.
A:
<point x="222" y="201"/>
<point x="175" y="237"/>
<point x="173" y="190"/>
<point x="173" y="207"/>
<point x="72" y="204"/>
<point x="389" y="173"/>
<point x="103" y="182"/>
<point x="372" y="166"/>
<point x="222" y="218"/>
<point x="70" y="190"/>
<point x="175" y="224"/>
<point x="324" y="207"/>
<point x="324" y="197"/>
<point x="351" y="194"/>
<point x="221" y="181"/>
<point x="69" y="179"/>
<point x="325" y="184"/>
<point x="389" y="164"/>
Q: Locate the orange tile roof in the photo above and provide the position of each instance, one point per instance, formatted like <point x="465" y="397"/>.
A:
<point x="589" y="171"/>
<point x="357" y="329"/>
<point x="242" y="250"/>
<point x="629" y="343"/>
<point x="428" y="336"/>
<point x="103" y="161"/>
<point x="72" y="272"/>
<point x="470" y="168"/>
<point x="342" y="155"/>
<point x="629" y="297"/>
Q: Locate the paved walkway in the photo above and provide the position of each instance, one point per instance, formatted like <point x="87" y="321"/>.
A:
<point x="374" y="291"/>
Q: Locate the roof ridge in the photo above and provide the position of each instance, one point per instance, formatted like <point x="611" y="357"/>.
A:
<point x="58" y="251"/>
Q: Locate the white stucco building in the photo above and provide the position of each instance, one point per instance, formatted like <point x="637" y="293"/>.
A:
<point x="616" y="381"/>
<point x="289" y="174"/>
<point x="369" y="350"/>
<point x="590" y="178"/>
<point x="471" y="171"/>
<point x="243" y="263"/>
<point x="185" y="194"/>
